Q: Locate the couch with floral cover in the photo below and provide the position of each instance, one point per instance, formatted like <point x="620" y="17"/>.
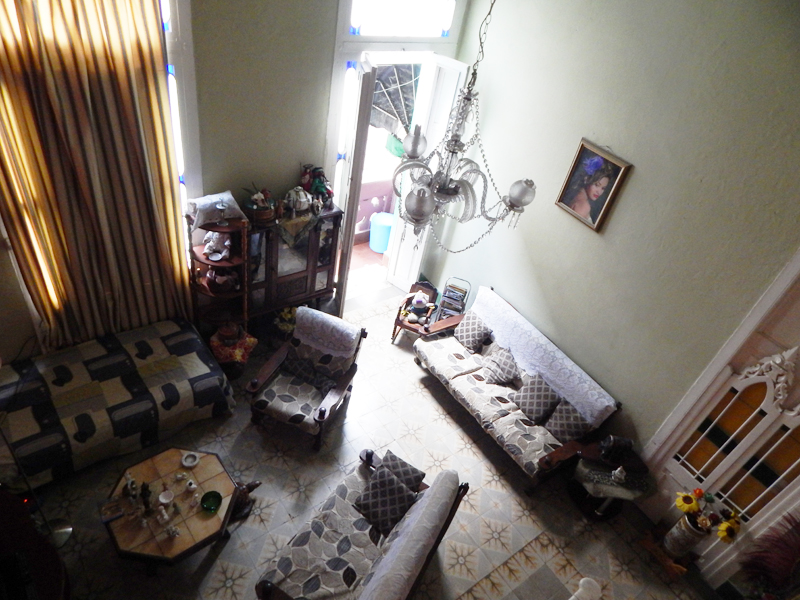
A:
<point x="523" y="390"/>
<point x="115" y="394"/>
<point x="342" y="554"/>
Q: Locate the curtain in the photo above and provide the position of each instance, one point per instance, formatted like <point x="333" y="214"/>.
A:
<point x="88" y="183"/>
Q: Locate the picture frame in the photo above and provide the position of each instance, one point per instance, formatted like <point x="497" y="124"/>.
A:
<point x="592" y="184"/>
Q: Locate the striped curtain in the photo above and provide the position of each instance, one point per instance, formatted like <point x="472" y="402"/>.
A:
<point x="88" y="183"/>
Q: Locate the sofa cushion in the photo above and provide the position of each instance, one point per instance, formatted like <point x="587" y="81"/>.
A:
<point x="303" y="368"/>
<point x="446" y="358"/>
<point x="472" y="332"/>
<point x="524" y="441"/>
<point x="332" y="553"/>
<point x="292" y="400"/>
<point x="500" y="367"/>
<point x="385" y="500"/>
<point x="536" y="399"/>
<point x="410" y="475"/>
<point x="566" y="423"/>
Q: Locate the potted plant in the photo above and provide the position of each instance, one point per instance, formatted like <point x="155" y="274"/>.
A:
<point x="260" y="208"/>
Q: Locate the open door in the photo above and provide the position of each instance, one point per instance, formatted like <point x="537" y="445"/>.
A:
<point x="440" y="80"/>
<point x="353" y="145"/>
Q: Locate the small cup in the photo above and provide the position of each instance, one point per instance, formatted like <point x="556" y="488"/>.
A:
<point x="191" y="485"/>
<point x="166" y="497"/>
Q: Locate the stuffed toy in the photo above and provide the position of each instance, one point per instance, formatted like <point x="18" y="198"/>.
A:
<point x="418" y="310"/>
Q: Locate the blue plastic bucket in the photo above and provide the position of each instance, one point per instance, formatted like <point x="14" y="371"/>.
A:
<point x="380" y="226"/>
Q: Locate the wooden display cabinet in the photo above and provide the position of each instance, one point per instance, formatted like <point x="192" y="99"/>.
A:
<point x="293" y="261"/>
<point x="213" y="304"/>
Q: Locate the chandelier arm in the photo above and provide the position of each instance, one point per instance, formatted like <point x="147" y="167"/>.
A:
<point x="407" y="166"/>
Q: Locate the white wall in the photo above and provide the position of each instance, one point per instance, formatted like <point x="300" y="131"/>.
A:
<point x="704" y="99"/>
<point x="263" y="74"/>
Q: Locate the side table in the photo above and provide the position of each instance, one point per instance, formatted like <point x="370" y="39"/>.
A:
<point x="597" y="493"/>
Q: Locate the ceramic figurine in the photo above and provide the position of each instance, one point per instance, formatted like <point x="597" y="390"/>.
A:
<point x="162" y="516"/>
<point x="244" y="503"/>
<point x="191" y="485"/>
<point x="130" y="485"/>
<point x="173" y="531"/>
<point x="180" y="476"/>
<point x="145" y="494"/>
<point x="195" y="500"/>
<point x="618" y="475"/>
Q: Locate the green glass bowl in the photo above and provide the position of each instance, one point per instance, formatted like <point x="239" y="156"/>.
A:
<point x="211" y="501"/>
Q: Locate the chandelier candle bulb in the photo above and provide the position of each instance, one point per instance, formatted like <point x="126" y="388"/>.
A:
<point x="521" y="194"/>
<point x="415" y="143"/>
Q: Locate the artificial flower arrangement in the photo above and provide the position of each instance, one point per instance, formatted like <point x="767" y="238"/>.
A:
<point x="286" y="319"/>
<point x="703" y="518"/>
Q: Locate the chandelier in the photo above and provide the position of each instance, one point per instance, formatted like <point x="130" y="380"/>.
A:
<point x="444" y="183"/>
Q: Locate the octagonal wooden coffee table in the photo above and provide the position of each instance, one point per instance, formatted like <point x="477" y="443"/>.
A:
<point x="198" y="528"/>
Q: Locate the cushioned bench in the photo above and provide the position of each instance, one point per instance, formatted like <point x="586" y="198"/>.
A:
<point x="525" y="392"/>
<point x="112" y="395"/>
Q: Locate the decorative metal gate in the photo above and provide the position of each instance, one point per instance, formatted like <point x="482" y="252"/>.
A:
<point x="745" y="449"/>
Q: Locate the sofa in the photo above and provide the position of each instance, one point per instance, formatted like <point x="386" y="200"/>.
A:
<point x="338" y="554"/>
<point x="535" y="402"/>
<point x="115" y="394"/>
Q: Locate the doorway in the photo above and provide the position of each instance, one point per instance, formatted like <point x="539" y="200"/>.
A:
<point x="411" y="88"/>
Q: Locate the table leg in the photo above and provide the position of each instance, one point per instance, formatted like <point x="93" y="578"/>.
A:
<point x="600" y="510"/>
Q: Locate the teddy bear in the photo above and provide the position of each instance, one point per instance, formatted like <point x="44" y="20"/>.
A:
<point x="418" y="309"/>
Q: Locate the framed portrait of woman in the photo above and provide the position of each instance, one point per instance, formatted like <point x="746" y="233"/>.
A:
<point x="592" y="184"/>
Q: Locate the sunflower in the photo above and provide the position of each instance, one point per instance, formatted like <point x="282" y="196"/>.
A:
<point x="727" y="532"/>
<point x="687" y="503"/>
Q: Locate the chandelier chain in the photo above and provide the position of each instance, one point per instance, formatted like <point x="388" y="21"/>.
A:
<point x="481" y="39"/>
<point x="483" y="151"/>
<point x="472" y="245"/>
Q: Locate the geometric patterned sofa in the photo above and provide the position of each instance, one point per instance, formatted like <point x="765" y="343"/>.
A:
<point x="112" y="395"/>
<point x="542" y="401"/>
<point x="337" y="555"/>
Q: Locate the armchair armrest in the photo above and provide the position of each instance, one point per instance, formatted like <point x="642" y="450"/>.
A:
<point x="269" y="368"/>
<point x="334" y="397"/>
<point x="443" y="325"/>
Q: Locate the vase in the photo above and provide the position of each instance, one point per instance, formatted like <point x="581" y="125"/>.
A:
<point x="682" y="538"/>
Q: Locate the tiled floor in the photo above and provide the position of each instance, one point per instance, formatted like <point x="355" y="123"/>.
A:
<point x="503" y="544"/>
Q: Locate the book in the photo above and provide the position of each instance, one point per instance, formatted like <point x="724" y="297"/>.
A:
<point x="110" y="509"/>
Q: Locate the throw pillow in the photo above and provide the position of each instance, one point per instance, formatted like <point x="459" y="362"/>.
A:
<point x="566" y="423"/>
<point x="536" y="399"/>
<point x="385" y="500"/>
<point x="472" y="331"/>
<point x="500" y="367"/>
<point x="408" y="474"/>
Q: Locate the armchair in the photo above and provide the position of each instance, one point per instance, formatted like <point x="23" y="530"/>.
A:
<point x="309" y="377"/>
